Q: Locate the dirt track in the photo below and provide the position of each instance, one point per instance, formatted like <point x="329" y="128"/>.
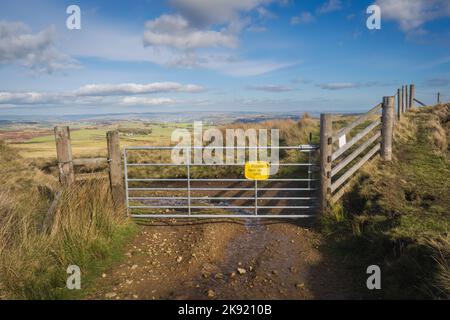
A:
<point x="230" y="259"/>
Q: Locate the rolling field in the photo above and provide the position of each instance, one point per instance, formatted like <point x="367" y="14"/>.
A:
<point x="87" y="141"/>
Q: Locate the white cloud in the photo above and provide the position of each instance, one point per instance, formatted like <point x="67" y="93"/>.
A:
<point x="26" y="98"/>
<point x="411" y="14"/>
<point x="133" y="88"/>
<point x="46" y="99"/>
<point x="265" y="14"/>
<point x="228" y="64"/>
<point x="177" y="32"/>
<point x="304" y="17"/>
<point x="18" y="45"/>
<point x="200" y="34"/>
<point x="179" y="41"/>
<point x="330" y="6"/>
<point x="116" y="44"/>
<point x="98" y="94"/>
<point x="141" y="101"/>
<point x="206" y="12"/>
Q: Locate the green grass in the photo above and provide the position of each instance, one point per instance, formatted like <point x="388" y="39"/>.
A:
<point x="395" y="210"/>
<point x="91" y="142"/>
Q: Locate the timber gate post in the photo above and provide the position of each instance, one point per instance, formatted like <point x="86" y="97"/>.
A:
<point x="411" y="96"/>
<point x="64" y="155"/>
<point x="115" y="168"/>
<point x="406" y="99"/>
<point x="403" y="100"/>
<point x="387" y="126"/>
<point x="326" y="143"/>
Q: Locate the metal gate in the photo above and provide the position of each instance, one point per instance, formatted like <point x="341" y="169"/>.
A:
<point x="157" y="188"/>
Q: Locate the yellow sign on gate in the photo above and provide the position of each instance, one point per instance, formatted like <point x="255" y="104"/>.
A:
<point x="257" y="170"/>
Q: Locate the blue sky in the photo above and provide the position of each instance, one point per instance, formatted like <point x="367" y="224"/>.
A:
<point x="222" y="55"/>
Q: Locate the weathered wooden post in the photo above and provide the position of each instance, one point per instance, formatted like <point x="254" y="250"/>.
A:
<point x="326" y="143"/>
<point x="406" y="99"/>
<point x="438" y="98"/>
<point x="115" y="168"/>
<point x="387" y="126"/>
<point x="64" y="155"/>
<point x="411" y="96"/>
<point x="403" y="100"/>
<point x="399" y="104"/>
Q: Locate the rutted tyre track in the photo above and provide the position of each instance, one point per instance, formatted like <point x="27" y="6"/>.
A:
<point x="237" y="194"/>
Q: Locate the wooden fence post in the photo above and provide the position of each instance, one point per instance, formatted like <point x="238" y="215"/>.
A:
<point x="387" y="126"/>
<point x="438" y="98"/>
<point x="326" y="143"/>
<point x="399" y="104"/>
<point x="411" y="96"/>
<point x="115" y="168"/>
<point x="64" y="155"/>
<point x="406" y="98"/>
<point x="403" y="100"/>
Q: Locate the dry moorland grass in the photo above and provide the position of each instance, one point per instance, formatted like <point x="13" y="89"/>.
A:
<point x="397" y="214"/>
<point x="87" y="231"/>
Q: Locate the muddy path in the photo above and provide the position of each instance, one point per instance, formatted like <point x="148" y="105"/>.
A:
<point x="225" y="259"/>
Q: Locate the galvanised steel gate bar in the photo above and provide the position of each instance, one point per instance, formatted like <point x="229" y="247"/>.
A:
<point x="140" y="202"/>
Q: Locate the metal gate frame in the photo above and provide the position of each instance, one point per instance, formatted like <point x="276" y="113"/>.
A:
<point x="309" y="148"/>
